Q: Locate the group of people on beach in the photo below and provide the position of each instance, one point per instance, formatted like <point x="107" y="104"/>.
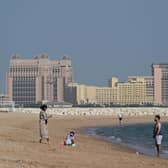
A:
<point x="43" y="122"/>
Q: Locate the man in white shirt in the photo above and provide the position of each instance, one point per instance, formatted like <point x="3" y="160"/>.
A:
<point x="120" y="117"/>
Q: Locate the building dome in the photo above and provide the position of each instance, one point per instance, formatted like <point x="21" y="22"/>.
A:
<point x="36" y="57"/>
<point x="44" y="56"/>
<point x="66" y="57"/>
<point x="15" y="56"/>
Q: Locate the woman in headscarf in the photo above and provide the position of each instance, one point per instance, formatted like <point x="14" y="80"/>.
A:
<point x="43" y="121"/>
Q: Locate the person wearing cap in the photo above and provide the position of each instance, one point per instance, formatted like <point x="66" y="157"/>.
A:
<point x="43" y="122"/>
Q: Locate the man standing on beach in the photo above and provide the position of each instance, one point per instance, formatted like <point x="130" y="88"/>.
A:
<point x="120" y="117"/>
<point x="157" y="134"/>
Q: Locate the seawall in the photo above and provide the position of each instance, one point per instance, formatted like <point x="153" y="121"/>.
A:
<point x="94" y="111"/>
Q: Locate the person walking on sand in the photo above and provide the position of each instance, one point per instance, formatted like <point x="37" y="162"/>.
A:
<point x="157" y="135"/>
<point x="120" y="117"/>
<point x="43" y="123"/>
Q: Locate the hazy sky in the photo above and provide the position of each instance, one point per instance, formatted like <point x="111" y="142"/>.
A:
<point x="104" y="38"/>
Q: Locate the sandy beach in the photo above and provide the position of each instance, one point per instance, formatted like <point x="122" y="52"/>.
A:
<point x="19" y="147"/>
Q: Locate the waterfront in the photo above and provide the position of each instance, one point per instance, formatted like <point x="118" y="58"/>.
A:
<point x="138" y="137"/>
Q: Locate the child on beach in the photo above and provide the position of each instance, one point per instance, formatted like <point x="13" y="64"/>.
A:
<point x="70" y="138"/>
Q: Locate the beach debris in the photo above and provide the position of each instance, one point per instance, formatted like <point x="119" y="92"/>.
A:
<point x="73" y="145"/>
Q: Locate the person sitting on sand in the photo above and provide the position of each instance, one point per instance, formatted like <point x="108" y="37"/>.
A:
<point x="43" y="122"/>
<point x="157" y="134"/>
<point x="70" y="138"/>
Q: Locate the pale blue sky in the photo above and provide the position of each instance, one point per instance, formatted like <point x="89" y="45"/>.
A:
<point x="104" y="38"/>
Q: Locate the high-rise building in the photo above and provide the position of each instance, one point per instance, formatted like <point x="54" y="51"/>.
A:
<point x="113" y="82"/>
<point x="137" y="90"/>
<point x="30" y="81"/>
<point x="160" y="73"/>
<point x="107" y="95"/>
<point x="76" y="93"/>
<point x="149" y="83"/>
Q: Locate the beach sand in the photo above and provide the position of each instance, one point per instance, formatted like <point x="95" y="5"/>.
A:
<point x="19" y="147"/>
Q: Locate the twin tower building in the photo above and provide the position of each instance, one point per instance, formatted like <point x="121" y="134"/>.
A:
<point x="37" y="80"/>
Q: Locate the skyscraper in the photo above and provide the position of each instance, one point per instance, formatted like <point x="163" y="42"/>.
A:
<point x="160" y="73"/>
<point x="30" y="81"/>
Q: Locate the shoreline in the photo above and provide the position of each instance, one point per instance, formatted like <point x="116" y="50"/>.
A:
<point x="125" y="146"/>
<point x="138" y="149"/>
<point x="106" y="140"/>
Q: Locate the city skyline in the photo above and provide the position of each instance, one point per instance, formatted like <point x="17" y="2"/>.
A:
<point x="105" y="83"/>
<point x="40" y="79"/>
<point x="113" y="38"/>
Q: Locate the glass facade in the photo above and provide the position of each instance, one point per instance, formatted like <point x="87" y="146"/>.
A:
<point x="24" y="90"/>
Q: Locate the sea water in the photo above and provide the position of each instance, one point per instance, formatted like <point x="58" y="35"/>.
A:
<point x="139" y="137"/>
